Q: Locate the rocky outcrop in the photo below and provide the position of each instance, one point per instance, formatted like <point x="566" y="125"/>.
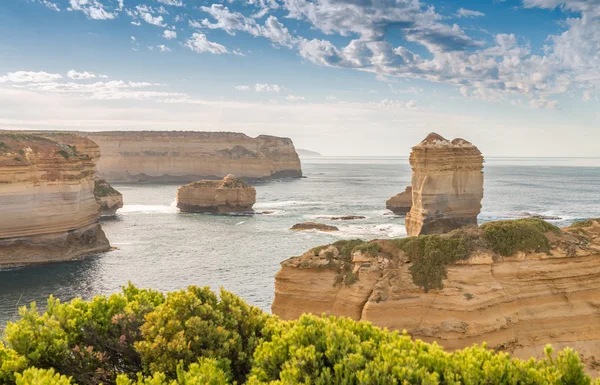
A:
<point x="304" y="226"/>
<point x="447" y="184"/>
<point x="180" y="156"/>
<point x="517" y="285"/>
<point x="400" y="204"/>
<point x="229" y="195"/>
<point x="47" y="205"/>
<point x="109" y="199"/>
<point x="342" y="218"/>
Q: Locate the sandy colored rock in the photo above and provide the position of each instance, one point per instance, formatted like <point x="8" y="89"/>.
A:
<point x="515" y="303"/>
<point x="447" y="185"/>
<point x="184" y="156"/>
<point x="400" y="204"/>
<point x="229" y="195"/>
<point x="313" y="226"/>
<point x="47" y="199"/>
<point x="109" y="199"/>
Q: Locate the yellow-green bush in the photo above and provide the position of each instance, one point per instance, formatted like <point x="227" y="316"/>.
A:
<point x="193" y="337"/>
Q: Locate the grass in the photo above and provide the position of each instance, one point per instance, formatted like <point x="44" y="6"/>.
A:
<point x="346" y="247"/>
<point x="585" y="223"/>
<point x="430" y="254"/>
<point x="508" y="237"/>
<point x="3" y="146"/>
<point x="371" y="249"/>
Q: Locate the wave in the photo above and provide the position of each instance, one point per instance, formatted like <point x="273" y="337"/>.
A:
<point x="148" y="209"/>
<point x="266" y="205"/>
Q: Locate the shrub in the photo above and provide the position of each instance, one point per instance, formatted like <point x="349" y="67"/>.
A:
<point x="34" y="376"/>
<point x="430" y="254"/>
<point x="508" y="237"/>
<point x="371" y="249"/>
<point x="194" y="323"/>
<point x="346" y="247"/>
<point x="205" y="372"/>
<point x="585" y="223"/>
<point x="10" y="363"/>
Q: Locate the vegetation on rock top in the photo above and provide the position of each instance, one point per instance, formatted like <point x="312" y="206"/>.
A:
<point x="103" y="189"/>
<point x="508" y="237"/>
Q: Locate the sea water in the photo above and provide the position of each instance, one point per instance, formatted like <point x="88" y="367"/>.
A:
<point x="158" y="247"/>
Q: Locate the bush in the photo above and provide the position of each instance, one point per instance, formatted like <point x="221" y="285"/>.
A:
<point x="585" y="223"/>
<point x="371" y="249"/>
<point x="508" y="237"/>
<point x="430" y="254"/>
<point x="34" y="376"/>
<point x="205" y="372"/>
<point x="10" y="363"/>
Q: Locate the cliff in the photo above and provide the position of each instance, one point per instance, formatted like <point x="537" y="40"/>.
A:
<point x="515" y="284"/>
<point x="109" y="199"/>
<point x="229" y="195"/>
<point x="180" y="156"/>
<point x="400" y="204"/>
<point x="47" y="202"/>
<point x="447" y="185"/>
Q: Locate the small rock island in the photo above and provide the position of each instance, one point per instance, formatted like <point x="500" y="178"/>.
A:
<point x="230" y="195"/>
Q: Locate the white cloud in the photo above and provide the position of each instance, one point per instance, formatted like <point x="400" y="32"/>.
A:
<point x="587" y="95"/>
<point x="387" y="103"/>
<point x="295" y="98"/>
<point x="50" y="4"/>
<point x="163" y="48"/>
<point x="174" y="3"/>
<point x="168" y="34"/>
<point x="331" y="97"/>
<point x="258" y="87"/>
<point x="200" y="44"/>
<point x="242" y="88"/>
<point x="544" y="104"/>
<point x="29" y="77"/>
<point x="147" y="14"/>
<point x="467" y="13"/>
<point x="80" y="75"/>
<point x="94" y="9"/>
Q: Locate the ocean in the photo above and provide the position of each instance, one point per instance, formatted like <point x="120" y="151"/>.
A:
<point x="158" y="247"/>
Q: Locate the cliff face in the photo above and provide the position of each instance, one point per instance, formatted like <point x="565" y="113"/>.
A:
<point x="447" y="185"/>
<point x="109" y="199"/>
<point x="47" y="199"/>
<point x="460" y="288"/>
<point x="179" y="156"/>
<point x="400" y="204"/>
<point x="229" y="195"/>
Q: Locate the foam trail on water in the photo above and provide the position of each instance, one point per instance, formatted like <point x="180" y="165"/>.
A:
<point x="148" y="209"/>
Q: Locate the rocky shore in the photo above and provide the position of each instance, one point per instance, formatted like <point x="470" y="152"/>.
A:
<point x="49" y="211"/>
<point x="515" y="284"/>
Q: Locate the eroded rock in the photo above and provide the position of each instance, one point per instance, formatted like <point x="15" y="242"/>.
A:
<point x="400" y="204"/>
<point x="109" y="199"/>
<point x="230" y="195"/>
<point x="313" y="226"/>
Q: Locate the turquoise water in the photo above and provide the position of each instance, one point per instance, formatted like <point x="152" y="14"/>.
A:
<point x="161" y="248"/>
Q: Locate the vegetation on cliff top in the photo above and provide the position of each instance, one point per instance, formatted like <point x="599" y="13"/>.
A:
<point x="193" y="337"/>
<point x="508" y="237"/>
<point x="103" y="189"/>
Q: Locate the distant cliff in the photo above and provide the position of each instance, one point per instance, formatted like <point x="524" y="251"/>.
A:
<point x="47" y="207"/>
<point x="515" y="284"/>
<point x="185" y="156"/>
<point x="303" y="152"/>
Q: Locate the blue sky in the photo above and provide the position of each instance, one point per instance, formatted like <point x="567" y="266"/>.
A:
<point x="343" y="77"/>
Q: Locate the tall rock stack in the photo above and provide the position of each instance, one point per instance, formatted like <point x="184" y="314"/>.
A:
<point x="447" y="185"/>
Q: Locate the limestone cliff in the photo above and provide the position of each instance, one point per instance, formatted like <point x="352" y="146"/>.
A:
<point x="109" y="199"/>
<point x="229" y="195"/>
<point x="47" y="205"/>
<point x="400" y="204"/>
<point x="180" y="156"/>
<point x="516" y="284"/>
<point x="447" y="185"/>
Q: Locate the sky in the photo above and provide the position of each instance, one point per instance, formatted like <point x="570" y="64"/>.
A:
<point x="341" y="77"/>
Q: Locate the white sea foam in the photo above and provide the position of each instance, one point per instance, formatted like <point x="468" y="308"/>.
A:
<point x="267" y="205"/>
<point x="148" y="209"/>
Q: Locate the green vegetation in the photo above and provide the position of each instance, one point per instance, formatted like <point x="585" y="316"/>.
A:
<point x="103" y="189"/>
<point x="345" y="247"/>
<point x="63" y="153"/>
<point x="508" y="237"/>
<point x="371" y="249"/>
<point x="3" y="146"/>
<point x="430" y="254"/>
<point x="468" y="296"/>
<point x="585" y="223"/>
<point x="193" y="337"/>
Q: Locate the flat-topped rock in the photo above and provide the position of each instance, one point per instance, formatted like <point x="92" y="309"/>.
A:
<point x="400" y="204"/>
<point x="109" y="199"/>
<point x="342" y="217"/>
<point x="230" y="195"/>
<point x="313" y="226"/>
<point x="447" y="185"/>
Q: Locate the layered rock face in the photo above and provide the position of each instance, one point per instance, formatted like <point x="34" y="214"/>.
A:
<point x="47" y="202"/>
<point x="447" y="185"/>
<point x="457" y="290"/>
<point x="109" y="199"/>
<point x="229" y="195"/>
<point x="400" y="204"/>
<point x="179" y="156"/>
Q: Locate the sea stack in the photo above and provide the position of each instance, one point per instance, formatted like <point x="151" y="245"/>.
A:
<point x="109" y="199"/>
<point x="49" y="212"/>
<point x="447" y="185"/>
<point x="230" y="195"/>
<point x="400" y="204"/>
<point x="185" y="156"/>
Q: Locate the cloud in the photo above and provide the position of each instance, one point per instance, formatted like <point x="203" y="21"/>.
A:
<point x="295" y="98"/>
<point x="49" y="4"/>
<point x="467" y="13"/>
<point x="174" y="3"/>
<point x="200" y="44"/>
<point x="258" y="87"/>
<point x="147" y="14"/>
<point x="29" y="77"/>
<point x="387" y="103"/>
<point x="168" y="34"/>
<point x="242" y="88"/>
<point x="543" y="104"/>
<point x="80" y="75"/>
<point x="94" y="9"/>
